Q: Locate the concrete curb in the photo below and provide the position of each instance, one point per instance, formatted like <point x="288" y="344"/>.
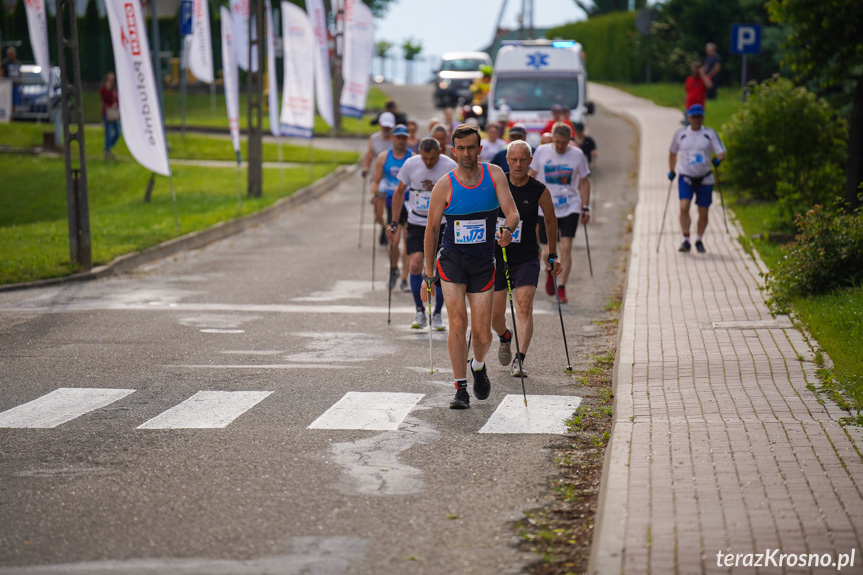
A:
<point x="199" y="239"/>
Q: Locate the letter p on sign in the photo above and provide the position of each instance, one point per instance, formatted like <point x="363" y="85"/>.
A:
<point x="746" y="39"/>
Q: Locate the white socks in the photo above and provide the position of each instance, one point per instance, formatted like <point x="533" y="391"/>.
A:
<point x="476" y="365"/>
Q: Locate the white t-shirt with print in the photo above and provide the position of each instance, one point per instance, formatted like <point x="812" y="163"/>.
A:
<point x="561" y="174"/>
<point x="420" y="181"/>
<point x="693" y="149"/>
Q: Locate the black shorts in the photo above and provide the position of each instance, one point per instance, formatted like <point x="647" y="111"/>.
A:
<point x="566" y="227"/>
<point x="475" y="273"/>
<point x="416" y="238"/>
<point x="524" y="273"/>
<point x="403" y="217"/>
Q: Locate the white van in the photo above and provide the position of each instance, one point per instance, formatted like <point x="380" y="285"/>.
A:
<point x="530" y="76"/>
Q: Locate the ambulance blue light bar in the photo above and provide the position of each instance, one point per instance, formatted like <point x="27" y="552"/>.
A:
<point x="563" y="44"/>
<point x="540" y="42"/>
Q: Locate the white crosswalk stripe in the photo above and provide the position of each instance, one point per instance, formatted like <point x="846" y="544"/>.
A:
<point x="59" y="406"/>
<point x="207" y="410"/>
<point x="543" y="414"/>
<point x="368" y="410"/>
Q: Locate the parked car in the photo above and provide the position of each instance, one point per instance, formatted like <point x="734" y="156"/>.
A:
<point x="34" y="94"/>
<point x="457" y="72"/>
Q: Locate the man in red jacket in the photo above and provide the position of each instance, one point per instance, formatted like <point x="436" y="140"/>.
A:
<point x="697" y="84"/>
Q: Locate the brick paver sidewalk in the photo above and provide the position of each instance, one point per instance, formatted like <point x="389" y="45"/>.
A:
<point x="717" y="445"/>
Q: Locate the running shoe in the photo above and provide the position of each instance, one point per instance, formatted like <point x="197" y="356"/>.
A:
<point x="549" y="284"/>
<point x="481" y="383"/>
<point x="504" y="353"/>
<point x="420" y="320"/>
<point x="404" y="285"/>
<point x="518" y="369"/>
<point x="394" y="277"/>
<point x="699" y="246"/>
<point x="437" y="323"/>
<point x="462" y="399"/>
<point x="561" y="293"/>
<point x="685" y="246"/>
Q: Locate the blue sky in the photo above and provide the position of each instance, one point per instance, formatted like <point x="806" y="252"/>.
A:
<point x="453" y="25"/>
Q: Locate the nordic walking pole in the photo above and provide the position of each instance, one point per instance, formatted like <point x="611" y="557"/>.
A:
<point x="721" y="201"/>
<point x="363" y="215"/>
<point x="429" y="290"/>
<point x="389" y="279"/>
<point x="560" y="313"/>
<point x="665" y="211"/>
<point x="514" y="322"/>
<point x="587" y="243"/>
<point x="374" y="230"/>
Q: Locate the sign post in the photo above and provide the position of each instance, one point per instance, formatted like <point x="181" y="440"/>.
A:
<point x="185" y="31"/>
<point x="745" y="39"/>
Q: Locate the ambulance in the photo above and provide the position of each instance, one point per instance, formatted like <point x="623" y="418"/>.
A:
<point x="531" y="76"/>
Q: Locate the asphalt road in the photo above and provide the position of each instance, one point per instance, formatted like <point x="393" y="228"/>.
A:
<point x="209" y="456"/>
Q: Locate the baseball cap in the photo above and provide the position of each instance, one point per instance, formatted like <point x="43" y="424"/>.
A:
<point x="400" y="130"/>
<point x="695" y="110"/>
<point x="517" y="129"/>
<point x="387" y="120"/>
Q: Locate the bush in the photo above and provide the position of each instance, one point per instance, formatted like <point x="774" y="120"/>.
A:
<point x="826" y="254"/>
<point x="787" y="145"/>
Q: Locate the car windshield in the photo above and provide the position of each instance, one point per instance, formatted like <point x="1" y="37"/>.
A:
<point x="462" y="65"/>
<point x="537" y="93"/>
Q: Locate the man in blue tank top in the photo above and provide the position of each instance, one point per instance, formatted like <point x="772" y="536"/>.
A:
<point x="470" y="197"/>
<point x="384" y="183"/>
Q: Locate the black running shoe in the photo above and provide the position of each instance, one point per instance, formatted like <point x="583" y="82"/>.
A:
<point x="462" y="399"/>
<point x="685" y="246"/>
<point x="699" y="246"/>
<point x="481" y="383"/>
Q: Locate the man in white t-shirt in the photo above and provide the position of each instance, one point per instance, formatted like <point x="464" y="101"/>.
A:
<point x="689" y="154"/>
<point x="564" y="170"/>
<point x="492" y="144"/>
<point x="417" y="177"/>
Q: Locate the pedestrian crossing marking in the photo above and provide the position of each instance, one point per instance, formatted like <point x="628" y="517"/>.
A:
<point x="60" y="406"/>
<point x="377" y="411"/>
<point x="543" y="414"/>
<point x="207" y="410"/>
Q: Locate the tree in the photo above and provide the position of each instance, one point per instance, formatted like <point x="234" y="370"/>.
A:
<point x="825" y="46"/>
<point x="411" y="49"/>
<point x="382" y="50"/>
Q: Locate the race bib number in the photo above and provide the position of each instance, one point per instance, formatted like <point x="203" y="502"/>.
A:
<point x="516" y="235"/>
<point x="469" y="231"/>
<point x="696" y="159"/>
<point x="559" y="201"/>
<point x="420" y="201"/>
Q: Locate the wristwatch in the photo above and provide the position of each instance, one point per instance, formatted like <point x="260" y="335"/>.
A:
<point x="552" y="257"/>
<point x="507" y="228"/>
<point x="585" y="208"/>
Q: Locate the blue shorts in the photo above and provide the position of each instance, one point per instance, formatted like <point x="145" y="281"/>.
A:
<point x="703" y="193"/>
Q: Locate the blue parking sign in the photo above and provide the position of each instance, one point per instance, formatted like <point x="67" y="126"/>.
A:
<point x="746" y="39"/>
<point x="185" y="17"/>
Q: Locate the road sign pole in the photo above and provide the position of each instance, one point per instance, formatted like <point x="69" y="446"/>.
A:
<point x="743" y="80"/>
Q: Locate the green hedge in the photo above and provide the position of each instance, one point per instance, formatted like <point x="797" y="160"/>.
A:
<point x="612" y="45"/>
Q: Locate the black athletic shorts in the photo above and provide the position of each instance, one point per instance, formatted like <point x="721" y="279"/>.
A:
<point x="565" y="227"/>
<point x="416" y="238"/>
<point x="524" y="273"/>
<point x="403" y="217"/>
<point x="475" y="273"/>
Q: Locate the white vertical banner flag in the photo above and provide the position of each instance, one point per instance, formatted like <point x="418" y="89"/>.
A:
<point x="201" y="49"/>
<point x="323" y="91"/>
<point x="298" y="44"/>
<point x="230" y="76"/>
<point x="240" y="12"/>
<point x="136" y="84"/>
<point x="273" y="85"/>
<point x="37" y="23"/>
<point x="357" y="60"/>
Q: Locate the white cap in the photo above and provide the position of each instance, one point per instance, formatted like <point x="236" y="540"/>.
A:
<point x="387" y="120"/>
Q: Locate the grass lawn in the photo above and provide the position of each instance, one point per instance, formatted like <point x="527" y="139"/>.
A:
<point x="203" y="111"/>
<point x="33" y="226"/>
<point x="673" y="96"/>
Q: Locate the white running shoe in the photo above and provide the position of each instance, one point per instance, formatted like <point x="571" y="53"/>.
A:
<point x="518" y="369"/>
<point x="404" y="285"/>
<point x="420" y="320"/>
<point x="437" y="322"/>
